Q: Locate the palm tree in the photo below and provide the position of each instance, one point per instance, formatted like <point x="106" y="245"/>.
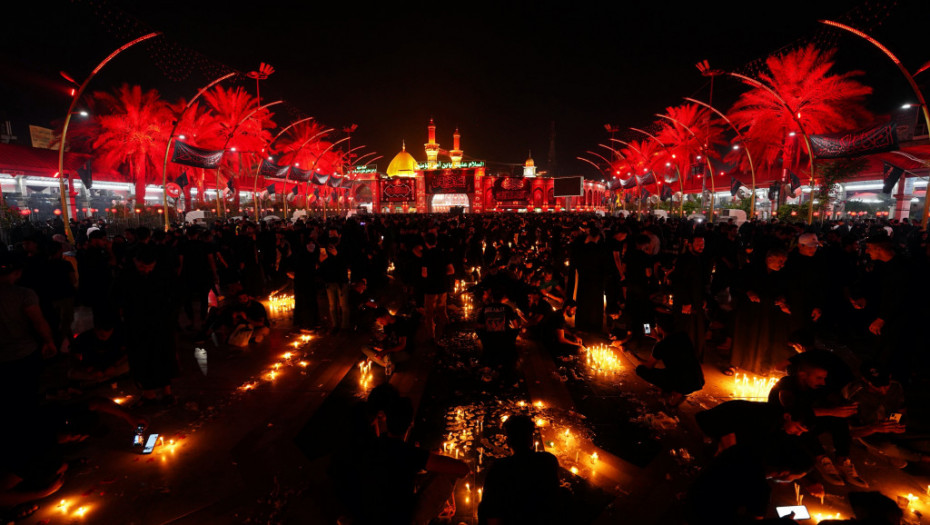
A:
<point x="131" y="133"/>
<point x="690" y="132"/>
<point x="822" y="102"/>
<point x="243" y="125"/>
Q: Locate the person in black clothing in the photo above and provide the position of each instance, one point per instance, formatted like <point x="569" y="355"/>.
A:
<point x="749" y="423"/>
<point x="682" y="373"/>
<point x="803" y="390"/>
<point x="522" y="488"/>
<point x="143" y="293"/>
<point x="734" y="488"/>
<point x="100" y="353"/>
<point x="589" y="263"/>
<point x="334" y="272"/>
<point x="497" y="329"/>
<point x="95" y="270"/>
<point x="436" y="271"/>
<point x="690" y="280"/>
<point x="804" y="291"/>
<point x="396" y="344"/>
<point x="198" y="273"/>
<point x="306" y="261"/>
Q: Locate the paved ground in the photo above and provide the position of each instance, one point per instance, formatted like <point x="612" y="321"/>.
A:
<point x="248" y="441"/>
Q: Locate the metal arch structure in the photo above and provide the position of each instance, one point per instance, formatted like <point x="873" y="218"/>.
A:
<point x="64" y="129"/>
<point x="174" y="129"/>
<point x="752" y="169"/>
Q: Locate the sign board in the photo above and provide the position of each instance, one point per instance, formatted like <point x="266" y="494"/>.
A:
<point x="398" y="190"/>
<point x="511" y="189"/>
<point x="467" y="164"/>
<point x="568" y="186"/>
<point x="449" y="181"/>
<point x="41" y="137"/>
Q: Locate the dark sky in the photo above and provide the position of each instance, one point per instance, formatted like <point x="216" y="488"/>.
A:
<point x="500" y="72"/>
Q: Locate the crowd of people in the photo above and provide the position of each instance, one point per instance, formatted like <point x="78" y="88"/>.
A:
<point x="835" y="307"/>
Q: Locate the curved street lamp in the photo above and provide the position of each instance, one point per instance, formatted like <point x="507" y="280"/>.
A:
<point x="910" y="80"/>
<point x="259" y="167"/>
<point x="752" y="169"/>
<point x="174" y="129"/>
<point x="794" y="115"/>
<point x="638" y="184"/>
<point x="315" y="161"/>
<point x="64" y="129"/>
<point x="297" y="152"/>
<point x="232" y="134"/>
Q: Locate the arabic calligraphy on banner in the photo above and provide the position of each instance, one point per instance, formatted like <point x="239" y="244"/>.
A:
<point x="398" y="190"/>
<point x="511" y="189"/>
<point x="449" y="181"/>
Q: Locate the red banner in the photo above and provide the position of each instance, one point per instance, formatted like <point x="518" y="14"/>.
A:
<point x="398" y="190"/>
<point x="510" y="189"/>
<point x="450" y="181"/>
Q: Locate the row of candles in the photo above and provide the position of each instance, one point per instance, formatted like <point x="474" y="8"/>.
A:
<point x="751" y="387"/>
<point x="291" y="358"/>
<point x="601" y="361"/>
<point x="280" y="304"/>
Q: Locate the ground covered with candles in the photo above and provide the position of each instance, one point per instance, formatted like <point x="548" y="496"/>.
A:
<point x="253" y="435"/>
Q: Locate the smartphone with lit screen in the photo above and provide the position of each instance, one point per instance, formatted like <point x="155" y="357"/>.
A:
<point x="150" y="444"/>
<point x="800" y="512"/>
<point x="647" y="329"/>
<point x="896" y="417"/>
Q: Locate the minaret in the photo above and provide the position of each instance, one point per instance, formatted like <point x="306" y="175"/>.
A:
<point x="529" y="169"/>
<point x="456" y="153"/>
<point x="432" y="148"/>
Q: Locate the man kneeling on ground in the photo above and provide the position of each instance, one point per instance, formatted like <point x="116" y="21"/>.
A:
<point x="682" y="373"/>
<point x="397" y="339"/>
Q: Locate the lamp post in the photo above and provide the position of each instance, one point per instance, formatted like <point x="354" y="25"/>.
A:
<point x="264" y="71"/>
<point x="232" y="134"/>
<point x="635" y="177"/>
<point x="797" y="120"/>
<point x="174" y="129"/>
<point x="296" y="153"/>
<point x="910" y="80"/>
<point x="259" y="167"/>
<point x="64" y="129"/>
<point x="752" y="169"/>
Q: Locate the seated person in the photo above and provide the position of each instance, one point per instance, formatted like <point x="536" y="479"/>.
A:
<point x="681" y="373"/>
<point x="734" y="488"/>
<point x="748" y="423"/>
<point x="497" y="330"/>
<point x="551" y="287"/>
<point x="803" y="391"/>
<point x="561" y="339"/>
<point x="390" y="466"/>
<point x="242" y="312"/>
<point x="100" y="353"/>
<point x="362" y="306"/>
<point x="879" y="424"/>
<point x="618" y="330"/>
<point x="523" y="488"/>
<point x="536" y="313"/>
<point x="397" y="342"/>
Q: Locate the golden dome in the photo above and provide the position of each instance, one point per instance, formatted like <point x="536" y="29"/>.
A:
<point x="403" y="165"/>
<point x="529" y="161"/>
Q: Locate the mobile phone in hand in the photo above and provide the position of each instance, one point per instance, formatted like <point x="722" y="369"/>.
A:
<point x="896" y="417"/>
<point x="800" y="512"/>
<point x="647" y="329"/>
<point x="150" y="444"/>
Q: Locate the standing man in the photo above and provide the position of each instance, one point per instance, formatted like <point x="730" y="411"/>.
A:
<point x="690" y="280"/>
<point x="436" y="271"/>
<point x="334" y="271"/>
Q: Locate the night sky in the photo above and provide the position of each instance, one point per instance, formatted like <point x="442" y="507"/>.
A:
<point x="501" y="73"/>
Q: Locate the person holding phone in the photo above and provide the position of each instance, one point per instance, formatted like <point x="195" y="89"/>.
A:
<point x="682" y="373"/>
<point x="879" y="425"/>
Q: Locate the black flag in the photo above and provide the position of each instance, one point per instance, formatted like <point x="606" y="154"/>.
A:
<point x="270" y="189"/>
<point x="295" y="190"/>
<point x="735" y="185"/>
<point x="891" y="174"/>
<point x="182" y="180"/>
<point x="86" y="175"/>
<point x="666" y="192"/>
<point x="773" y="191"/>
<point x="793" y="181"/>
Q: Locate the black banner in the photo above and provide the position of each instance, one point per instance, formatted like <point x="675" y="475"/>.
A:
<point x="196" y="157"/>
<point x="87" y="176"/>
<point x="629" y="183"/>
<point x="270" y="170"/>
<point x="735" y="185"/>
<point x="299" y="175"/>
<point x="398" y="190"/>
<point x="450" y="181"/>
<point x="511" y="189"/>
<point x="890" y="176"/>
<point x="857" y="143"/>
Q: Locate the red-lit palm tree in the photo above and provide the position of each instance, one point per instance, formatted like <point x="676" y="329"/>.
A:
<point x="821" y="101"/>
<point x="690" y="133"/>
<point x="199" y="127"/>
<point x="243" y="126"/>
<point x="131" y="133"/>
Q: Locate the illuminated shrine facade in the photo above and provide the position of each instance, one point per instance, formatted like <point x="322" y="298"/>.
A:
<point x="439" y="186"/>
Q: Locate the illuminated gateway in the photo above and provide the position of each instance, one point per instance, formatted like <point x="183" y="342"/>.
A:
<point x="447" y="181"/>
